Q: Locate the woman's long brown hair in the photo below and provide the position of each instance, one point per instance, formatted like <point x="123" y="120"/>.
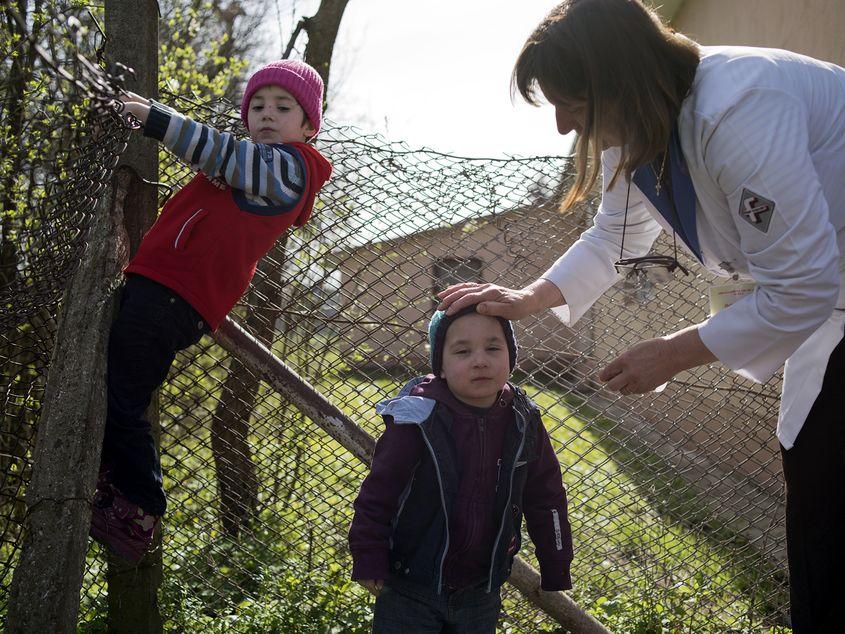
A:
<point x="629" y="69"/>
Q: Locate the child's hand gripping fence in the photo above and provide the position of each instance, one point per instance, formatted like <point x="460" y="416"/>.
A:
<point x="675" y="498"/>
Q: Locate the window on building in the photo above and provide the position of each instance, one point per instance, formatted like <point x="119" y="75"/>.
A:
<point x="448" y="271"/>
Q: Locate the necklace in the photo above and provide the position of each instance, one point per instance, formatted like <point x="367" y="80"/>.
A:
<point x="659" y="174"/>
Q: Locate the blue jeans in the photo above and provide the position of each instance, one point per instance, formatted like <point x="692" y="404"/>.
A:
<point x="152" y="324"/>
<point x="405" y="608"/>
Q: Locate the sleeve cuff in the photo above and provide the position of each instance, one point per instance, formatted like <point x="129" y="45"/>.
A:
<point x="370" y="564"/>
<point x="579" y="291"/>
<point x="555" y="576"/>
<point x="157" y="121"/>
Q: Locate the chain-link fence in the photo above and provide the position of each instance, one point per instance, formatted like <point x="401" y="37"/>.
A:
<point x="675" y="498"/>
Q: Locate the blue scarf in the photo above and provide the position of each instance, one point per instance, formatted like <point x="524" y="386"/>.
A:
<point x="682" y="217"/>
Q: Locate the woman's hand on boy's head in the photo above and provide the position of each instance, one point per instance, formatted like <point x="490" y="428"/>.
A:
<point x="459" y="296"/>
<point x="499" y="301"/>
<point x="373" y="586"/>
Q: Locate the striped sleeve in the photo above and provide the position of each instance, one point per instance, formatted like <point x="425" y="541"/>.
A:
<point x="275" y="173"/>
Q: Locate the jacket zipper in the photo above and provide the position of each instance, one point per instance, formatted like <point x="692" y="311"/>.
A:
<point x="182" y="230"/>
<point x="405" y="494"/>
<point x="498" y="474"/>
<point x="445" y="513"/>
<point x="481" y="462"/>
<point x="507" y="509"/>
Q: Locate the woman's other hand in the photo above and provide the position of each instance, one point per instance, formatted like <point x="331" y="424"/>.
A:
<point x="641" y="368"/>
<point x="651" y="363"/>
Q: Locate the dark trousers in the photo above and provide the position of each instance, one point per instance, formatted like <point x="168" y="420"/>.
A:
<point x="403" y="608"/>
<point x="814" y="470"/>
<point x="153" y="323"/>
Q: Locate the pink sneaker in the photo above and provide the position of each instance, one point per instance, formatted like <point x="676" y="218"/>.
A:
<point x="121" y="525"/>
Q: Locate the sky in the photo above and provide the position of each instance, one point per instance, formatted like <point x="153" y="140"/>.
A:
<point x="436" y="73"/>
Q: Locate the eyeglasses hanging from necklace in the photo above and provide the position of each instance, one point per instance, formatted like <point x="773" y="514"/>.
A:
<point x="652" y="268"/>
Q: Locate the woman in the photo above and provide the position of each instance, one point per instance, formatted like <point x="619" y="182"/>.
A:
<point x="739" y="153"/>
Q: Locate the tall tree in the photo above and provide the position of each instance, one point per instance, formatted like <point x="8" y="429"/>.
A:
<point x="236" y="480"/>
<point x="205" y="45"/>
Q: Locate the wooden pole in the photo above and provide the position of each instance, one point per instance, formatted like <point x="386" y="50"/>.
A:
<point x="258" y="358"/>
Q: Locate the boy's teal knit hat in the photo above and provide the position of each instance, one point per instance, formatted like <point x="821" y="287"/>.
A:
<point x="440" y="323"/>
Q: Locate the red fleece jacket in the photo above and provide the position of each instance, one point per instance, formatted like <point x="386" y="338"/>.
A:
<point x="205" y="247"/>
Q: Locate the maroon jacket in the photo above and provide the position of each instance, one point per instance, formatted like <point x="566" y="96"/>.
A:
<point x="478" y="437"/>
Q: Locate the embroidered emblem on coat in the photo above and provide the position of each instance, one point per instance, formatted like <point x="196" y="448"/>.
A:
<point x="756" y="210"/>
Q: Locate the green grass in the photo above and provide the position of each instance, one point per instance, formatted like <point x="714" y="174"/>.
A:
<point x="648" y="559"/>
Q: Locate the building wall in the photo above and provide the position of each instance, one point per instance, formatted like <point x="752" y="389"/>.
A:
<point x="810" y="27"/>
<point x="390" y="286"/>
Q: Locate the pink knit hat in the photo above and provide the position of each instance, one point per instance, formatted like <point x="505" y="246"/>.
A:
<point x="298" y="78"/>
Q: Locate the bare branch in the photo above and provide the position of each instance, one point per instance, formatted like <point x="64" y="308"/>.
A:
<point x="294" y="35"/>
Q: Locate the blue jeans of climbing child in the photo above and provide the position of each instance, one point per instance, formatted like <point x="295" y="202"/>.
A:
<point x="406" y="608"/>
<point x="152" y="325"/>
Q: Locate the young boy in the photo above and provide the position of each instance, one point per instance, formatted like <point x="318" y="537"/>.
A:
<point x="463" y="457"/>
<point x="194" y="264"/>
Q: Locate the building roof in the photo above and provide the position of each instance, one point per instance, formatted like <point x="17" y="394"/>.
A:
<point x="431" y="229"/>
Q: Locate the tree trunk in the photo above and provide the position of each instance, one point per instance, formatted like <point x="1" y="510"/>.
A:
<point x="322" y="30"/>
<point x="237" y="483"/>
